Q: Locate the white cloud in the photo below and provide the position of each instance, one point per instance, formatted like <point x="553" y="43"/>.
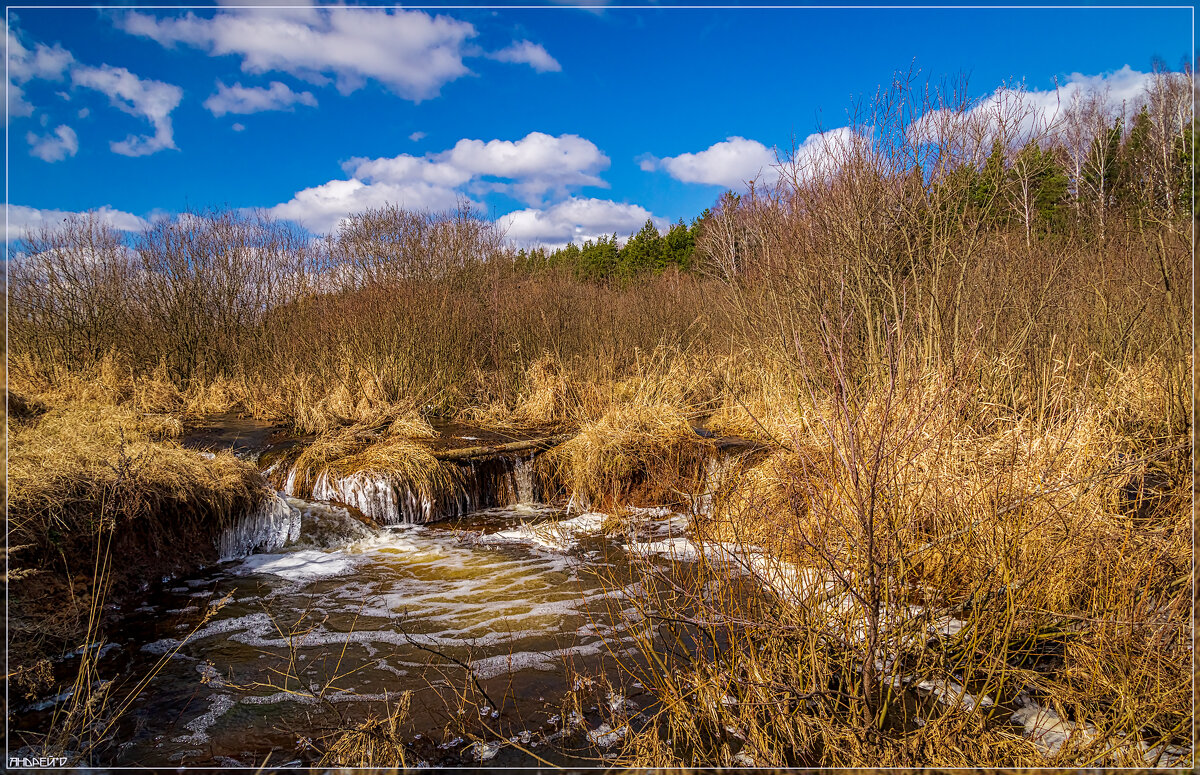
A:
<point x="417" y="136"/>
<point x="730" y="163"/>
<point x="24" y="65"/>
<point x="63" y="142"/>
<point x="823" y="153"/>
<point x="238" y="127"/>
<point x="151" y="100"/>
<point x="1015" y="114"/>
<point x="321" y="208"/>
<point x="411" y="52"/>
<point x="44" y="62"/>
<point x="528" y="53"/>
<point x="576" y="220"/>
<point x="21" y="220"/>
<point x="254" y="99"/>
<point x="532" y="166"/>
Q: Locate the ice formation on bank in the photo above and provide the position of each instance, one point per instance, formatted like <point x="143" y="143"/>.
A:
<point x="270" y="526"/>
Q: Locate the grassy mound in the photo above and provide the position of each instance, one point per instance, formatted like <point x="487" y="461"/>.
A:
<point x="99" y="497"/>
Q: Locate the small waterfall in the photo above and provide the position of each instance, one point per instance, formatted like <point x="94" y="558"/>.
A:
<point x="523" y="482"/>
<point x="326" y="525"/>
<point x="718" y="466"/>
<point x="271" y="526"/>
<point x="390" y="500"/>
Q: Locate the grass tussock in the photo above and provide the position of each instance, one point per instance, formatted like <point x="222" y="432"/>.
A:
<point x="69" y="466"/>
<point x="630" y="446"/>
<point x="372" y="742"/>
<point x="389" y="444"/>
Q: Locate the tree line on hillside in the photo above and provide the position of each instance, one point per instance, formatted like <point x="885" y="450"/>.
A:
<point x="605" y="258"/>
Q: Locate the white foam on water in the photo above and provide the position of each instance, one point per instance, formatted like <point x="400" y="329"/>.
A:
<point x="300" y="565"/>
<point x="218" y="705"/>
<point x="677" y="548"/>
<point x="547" y="661"/>
<point x="560" y="535"/>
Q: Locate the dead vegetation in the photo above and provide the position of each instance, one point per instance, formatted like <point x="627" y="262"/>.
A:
<point x="979" y="418"/>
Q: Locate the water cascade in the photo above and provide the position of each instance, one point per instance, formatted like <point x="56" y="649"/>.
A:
<point x="389" y="499"/>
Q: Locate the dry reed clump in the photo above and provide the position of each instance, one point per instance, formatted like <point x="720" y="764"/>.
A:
<point x="629" y="446"/>
<point x="312" y="404"/>
<point x="758" y="400"/>
<point x="387" y="444"/>
<point x="1005" y="556"/>
<point x="69" y="466"/>
<point x="550" y="396"/>
<point x="375" y="741"/>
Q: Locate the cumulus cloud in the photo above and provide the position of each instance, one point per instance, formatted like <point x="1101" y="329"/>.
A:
<point x="151" y="100"/>
<point x="529" y="169"/>
<point x="575" y="220"/>
<point x="410" y="52"/>
<point x="528" y="53"/>
<point x="255" y="99"/>
<point x="24" y="64"/>
<point x="729" y="163"/>
<point x="321" y="208"/>
<point x="1015" y="114"/>
<point x="56" y="146"/>
<point x="417" y="136"/>
<point x="22" y="220"/>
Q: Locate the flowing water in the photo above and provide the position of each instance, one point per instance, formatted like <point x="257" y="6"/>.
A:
<point x="316" y="618"/>
<point x="499" y="621"/>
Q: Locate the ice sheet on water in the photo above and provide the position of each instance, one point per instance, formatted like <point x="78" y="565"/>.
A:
<point x="559" y="535"/>
<point x="300" y="565"/>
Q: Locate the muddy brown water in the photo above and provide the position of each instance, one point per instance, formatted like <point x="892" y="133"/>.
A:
<point x="342" y="622"/>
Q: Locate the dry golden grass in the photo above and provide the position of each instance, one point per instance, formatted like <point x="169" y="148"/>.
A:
<point x="67" y="464"/>
<point x="375" y="741"/>
<point x="1064" y="579"/>
<point x="630" y="444"/>
<point x="387" y="444"/>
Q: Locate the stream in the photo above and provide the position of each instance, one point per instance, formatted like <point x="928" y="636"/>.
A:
<point x="506" y="626"/>
<point x="322" y="618"/>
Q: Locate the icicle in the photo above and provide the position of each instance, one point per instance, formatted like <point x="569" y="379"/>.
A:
<point x="271" y="526"/>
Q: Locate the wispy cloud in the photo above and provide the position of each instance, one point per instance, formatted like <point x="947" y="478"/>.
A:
<point x="145" y="98"/>
<point x="410" y="52"/>
<point x="26" y="64"/>
<point x="56" y="146"/>
<point x="528" y="53"/>
<point x="255" y="99"/>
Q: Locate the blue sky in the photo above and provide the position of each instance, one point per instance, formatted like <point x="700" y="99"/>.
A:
<point x="565" y="123"/>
